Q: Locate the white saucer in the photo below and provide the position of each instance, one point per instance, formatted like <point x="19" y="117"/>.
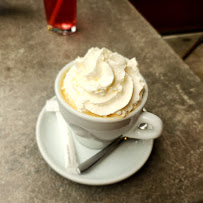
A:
<point x="123" y="162"/>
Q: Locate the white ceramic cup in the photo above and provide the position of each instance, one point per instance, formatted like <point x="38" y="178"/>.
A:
<point x="97" y="132"/>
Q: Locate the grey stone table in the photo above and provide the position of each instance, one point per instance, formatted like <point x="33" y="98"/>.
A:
<point x="31" y="56"/>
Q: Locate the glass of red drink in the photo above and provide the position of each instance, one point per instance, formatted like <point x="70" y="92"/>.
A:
<point x="61" y="15"/>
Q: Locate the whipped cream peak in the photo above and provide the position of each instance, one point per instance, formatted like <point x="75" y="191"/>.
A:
<point x="95" y="74"/>
<point x="104" y="83"/>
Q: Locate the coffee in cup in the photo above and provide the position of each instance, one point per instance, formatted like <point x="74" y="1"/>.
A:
<point x="103" y="84"/>
<point x="101" y="96"/>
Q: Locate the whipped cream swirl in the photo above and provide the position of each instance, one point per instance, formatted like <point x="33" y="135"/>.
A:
<point x="103" y="83"/>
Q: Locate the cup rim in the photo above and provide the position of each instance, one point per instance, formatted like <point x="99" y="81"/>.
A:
<point x="89" y="117"/>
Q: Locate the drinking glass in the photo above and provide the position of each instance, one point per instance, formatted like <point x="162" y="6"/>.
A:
<point x="61" y="15"/>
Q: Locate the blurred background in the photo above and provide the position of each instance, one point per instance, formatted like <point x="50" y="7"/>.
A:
<point x="180" y="22"/>
<point x="174" y="16"/>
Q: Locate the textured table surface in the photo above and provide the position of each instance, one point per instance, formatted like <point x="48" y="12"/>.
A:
<point x="31" y="56"/>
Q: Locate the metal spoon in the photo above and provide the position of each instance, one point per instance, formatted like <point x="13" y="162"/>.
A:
<point x="107" y="150"/>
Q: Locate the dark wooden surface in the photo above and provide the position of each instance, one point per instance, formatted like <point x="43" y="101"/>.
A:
<point x="172" y="16"/>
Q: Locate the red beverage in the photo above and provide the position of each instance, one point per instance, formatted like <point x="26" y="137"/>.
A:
<point x="61" y="15"/>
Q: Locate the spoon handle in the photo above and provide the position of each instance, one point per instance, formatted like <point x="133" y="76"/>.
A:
<point x="91" y="161"/>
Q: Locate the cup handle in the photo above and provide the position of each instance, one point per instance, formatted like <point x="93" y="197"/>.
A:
<point x="154" y="129"/>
